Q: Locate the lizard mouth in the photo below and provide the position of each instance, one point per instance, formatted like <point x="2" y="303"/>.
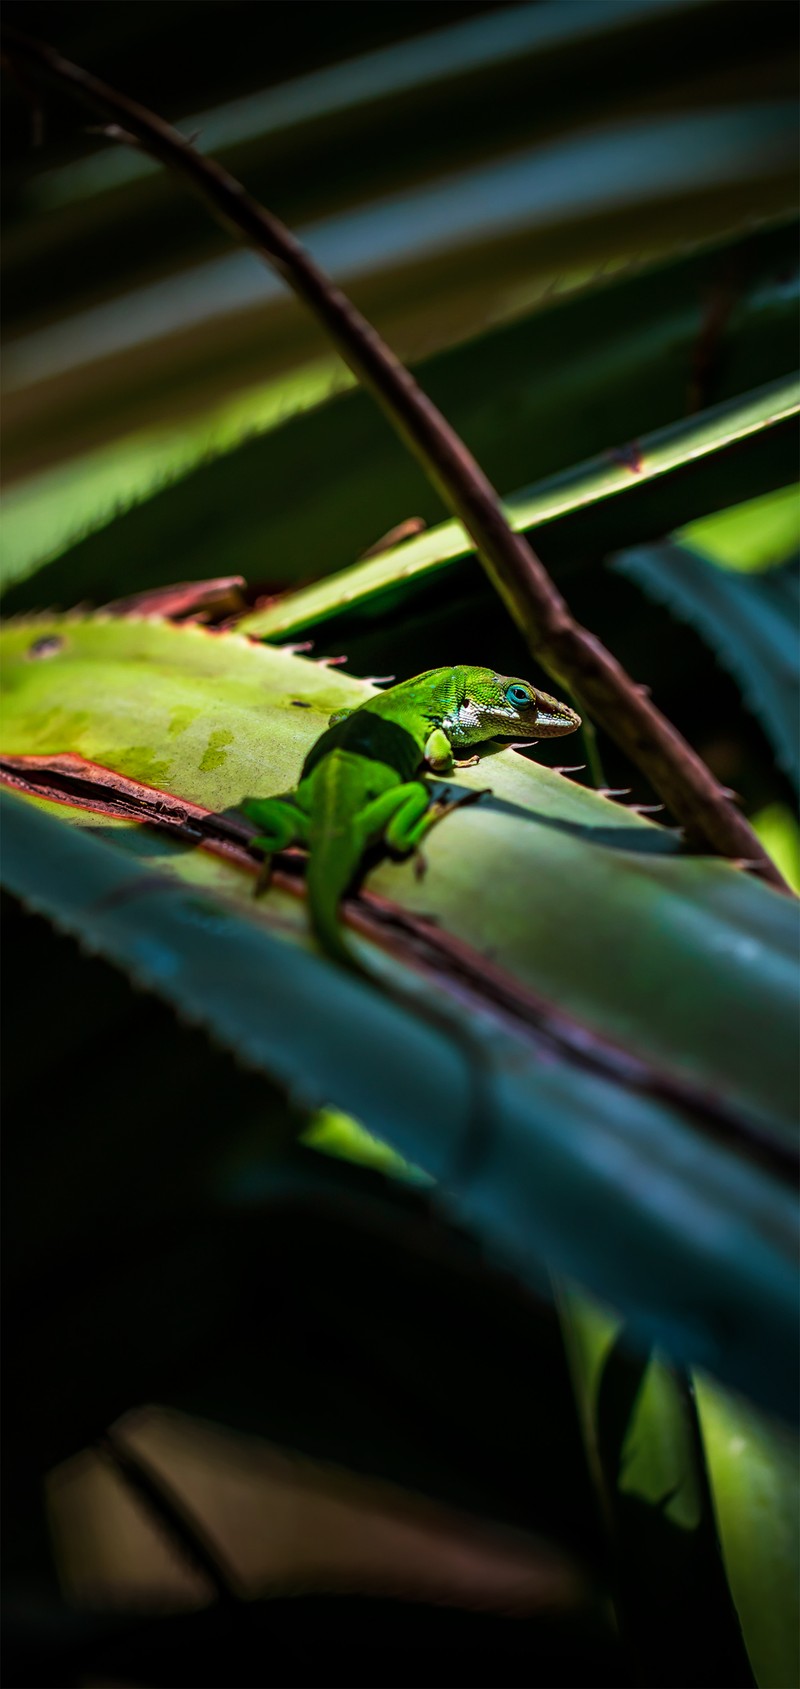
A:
<point x="551" y="722"/>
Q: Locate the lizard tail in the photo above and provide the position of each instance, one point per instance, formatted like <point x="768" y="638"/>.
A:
<point x="327" y="883"/>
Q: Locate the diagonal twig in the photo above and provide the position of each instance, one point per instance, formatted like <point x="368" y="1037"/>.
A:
<point x="568" y="651"/>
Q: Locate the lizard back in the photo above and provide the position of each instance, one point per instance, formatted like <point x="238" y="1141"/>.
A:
<point x="367" y="734"/>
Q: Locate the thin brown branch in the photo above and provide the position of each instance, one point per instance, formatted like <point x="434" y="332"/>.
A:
<point x="568" y="651"/>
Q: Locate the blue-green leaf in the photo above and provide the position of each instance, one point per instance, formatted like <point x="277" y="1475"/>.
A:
<point x="750" y="621"/>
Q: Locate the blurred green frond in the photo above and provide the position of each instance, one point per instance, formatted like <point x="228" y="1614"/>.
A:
<point x="588" y="374"/>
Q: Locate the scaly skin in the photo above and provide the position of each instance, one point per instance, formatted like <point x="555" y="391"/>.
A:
<point x="360" y="782"/>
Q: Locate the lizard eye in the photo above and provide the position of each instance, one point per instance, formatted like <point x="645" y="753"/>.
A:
<point x="518" y="695"/>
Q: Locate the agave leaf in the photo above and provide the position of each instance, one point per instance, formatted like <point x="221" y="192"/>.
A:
<point x="640" y="1428"/>
<point x="611" y="1189"/>
<point x="172" y="1166"/>
<point x="644" y="183"/>
<point x="107" y="682"/>
<point x="778" y="830"/>
<point x="758" y="534"/>
<point x="433" y="68"/>
<point x="338" y="1136"/>
<point x="214" y="718"/>
<point x="47" y="511"/>
<point x="639" y="164"/>
<point x="643" y="490"/>
<point x="387" y="119"/>
<point x="749" y="621"/>
<point x="612" y="362"/>
<point x="754" y="1471"/>
<point x="638" y="961"/>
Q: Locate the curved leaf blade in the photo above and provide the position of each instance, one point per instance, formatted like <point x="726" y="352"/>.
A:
<point x="754" y="1471"/>
<point x="614" y="361"/>
<point x="645" y="489"/>
<point x="640" y="1429"/>
<point x="749" y="621"/>
<point x="643" y="184"/>
<point x="758" y="534"/>
<point x="696" y="1249"/>
<point x="580" y="1170"/>
<point x="421" y="64"/>
<point x="213" y="718"/>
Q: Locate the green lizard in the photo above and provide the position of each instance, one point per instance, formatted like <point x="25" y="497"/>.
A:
<point x="360" y="783"/>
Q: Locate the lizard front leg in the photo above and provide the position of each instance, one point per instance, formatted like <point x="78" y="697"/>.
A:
<point x="439" y="754"/>
<point x="439" y="751"/>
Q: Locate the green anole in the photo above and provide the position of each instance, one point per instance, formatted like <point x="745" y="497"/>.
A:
<point x="361" y="781"/>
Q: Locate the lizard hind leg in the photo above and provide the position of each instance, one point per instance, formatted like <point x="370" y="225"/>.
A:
<point x="395" y="816"/>
<point x="409" y="827"/>
<point x="413" y="821"/>
<point x="280" y="824"/>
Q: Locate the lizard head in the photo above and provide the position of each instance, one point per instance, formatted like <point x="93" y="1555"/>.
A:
<point x="500" y="706"/>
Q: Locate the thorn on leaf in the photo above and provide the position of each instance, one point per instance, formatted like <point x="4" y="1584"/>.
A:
<point x="402" y="531"/>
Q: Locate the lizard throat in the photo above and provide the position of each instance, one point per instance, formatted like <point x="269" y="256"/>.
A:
<point x="465" y="725"/>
